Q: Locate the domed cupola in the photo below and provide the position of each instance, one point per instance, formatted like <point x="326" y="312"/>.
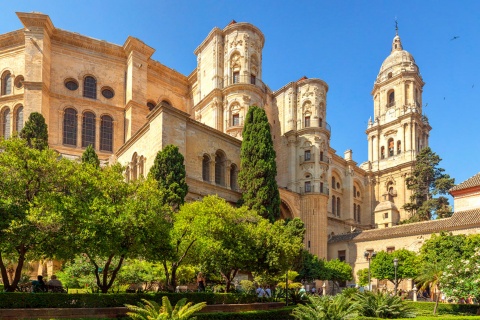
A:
<point x="397" y="62"/>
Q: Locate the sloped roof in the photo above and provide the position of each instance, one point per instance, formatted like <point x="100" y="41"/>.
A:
<point x="469" y="183"/>
<point x="462" y="219"/>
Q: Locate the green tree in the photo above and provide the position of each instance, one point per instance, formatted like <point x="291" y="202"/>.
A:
<point x="338" y="271"/>
<point x="383" y="305"/>
<point x="169" y="170"/>
<point x="362" y="277"/>
<point x="426" y="182"/>
<point x="110" y="220"/>
<point x="258" y="173"/>
<point x="382" y="266"/>
<point x="90" y="156"/>
<point x="310" y="268"/>
<point x="31" y="179"/>
<point x="35" y="131"/>
<point x="429" y="277"/>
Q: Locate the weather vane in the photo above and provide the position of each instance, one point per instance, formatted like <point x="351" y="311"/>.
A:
<point x="396" y="25"/>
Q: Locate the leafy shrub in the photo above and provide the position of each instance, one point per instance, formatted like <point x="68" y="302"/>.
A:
<point x="152" y="310"/>
<point x="338" y="307"/>
<point x="383" y="306"/>
<point x="93" y="300"/>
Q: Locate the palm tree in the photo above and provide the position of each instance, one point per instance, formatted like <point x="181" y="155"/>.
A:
<point x="328" y="308"/>
<point x="430" y="277"/>
<point x="382" y="305"/>
<point x="150" y="310"/>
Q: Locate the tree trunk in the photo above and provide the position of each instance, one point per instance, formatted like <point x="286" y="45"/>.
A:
<point x="7" y="286"/>
<point x="229" y="278"/>
<point x="104" y="284"/>
<point x="436" y="300"/>
<point x="167" y="274"/>
<point x="173" y="277"/>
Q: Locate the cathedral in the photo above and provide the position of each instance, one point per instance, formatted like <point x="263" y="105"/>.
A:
<point x="129" y="106"/>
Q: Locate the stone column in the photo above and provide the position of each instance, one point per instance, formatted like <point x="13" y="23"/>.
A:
<point x="79" y="129"/>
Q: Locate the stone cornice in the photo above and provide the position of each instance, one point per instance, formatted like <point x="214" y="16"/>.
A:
<point x="10" y="98"/>
<point x="12" y="39"/>
<point x="312" y="80"/>
<point x="83" y="101"/>
<point x="134" y="44"/>
<point x="36" y="20"/>
<point x="80" y="41"/>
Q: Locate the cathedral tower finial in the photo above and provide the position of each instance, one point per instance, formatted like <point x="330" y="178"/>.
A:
<point x="396" y="26"/>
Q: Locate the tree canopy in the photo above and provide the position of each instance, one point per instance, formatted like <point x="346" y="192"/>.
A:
<point x="382" y="266"/>
<point x="90" y="156"/>
<point x="35" y="131"/>
<point x="32" y="179"/>
<point x="169" y="170"/>
<point x="258" y="172"/>
<point x="427" y="181"/>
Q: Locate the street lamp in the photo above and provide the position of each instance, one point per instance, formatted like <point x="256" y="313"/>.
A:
<point x="369" y="256"/>
<point x="395" y="264"/>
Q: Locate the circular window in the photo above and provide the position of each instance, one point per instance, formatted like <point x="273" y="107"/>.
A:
<point x="19" y="82"/>
<point x="71" y="84"/>
<point x="107" y="93"/>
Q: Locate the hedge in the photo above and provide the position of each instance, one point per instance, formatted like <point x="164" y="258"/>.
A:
<point x="98" y="300"/>
<point x="278" y="314"/>
<point x="426" y="308"/>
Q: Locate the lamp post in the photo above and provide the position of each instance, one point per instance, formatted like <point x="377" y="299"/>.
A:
<point x="395" y="264"/>
<point x="369" y="256"/>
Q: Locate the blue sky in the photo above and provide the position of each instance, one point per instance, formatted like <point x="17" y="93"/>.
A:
<point x="341" y="42"/>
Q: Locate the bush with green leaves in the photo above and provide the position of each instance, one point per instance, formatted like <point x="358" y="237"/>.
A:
<point x="150" y="310"/>
<point x="336" y="307"/>
<point x="382" y="305"/>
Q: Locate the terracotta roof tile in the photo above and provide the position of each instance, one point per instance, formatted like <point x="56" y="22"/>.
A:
<point x="469" y="183"/>
<point x="462" y="219"/>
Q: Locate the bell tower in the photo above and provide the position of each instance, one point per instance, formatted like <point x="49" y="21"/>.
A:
<point x="397" y="133"/>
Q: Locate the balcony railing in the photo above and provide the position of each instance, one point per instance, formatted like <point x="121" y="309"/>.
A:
<point x="244" y="79"/>
<point x="314" y="188"/>
<point x="313" y="123"/>
<point x="307" y="158"/>
<point x="391" y="104"/>
<point x="234" y="122"/>
<point x="323" y="158"/>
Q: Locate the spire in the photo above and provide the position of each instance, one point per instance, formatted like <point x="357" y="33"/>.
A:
<point x="397" y="43"/>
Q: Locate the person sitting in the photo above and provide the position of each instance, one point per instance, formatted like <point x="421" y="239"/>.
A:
<point x="54" y="282"/>
<point x="39" y="285"/>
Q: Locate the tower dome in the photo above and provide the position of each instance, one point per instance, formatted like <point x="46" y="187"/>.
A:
<point x="398" y="61"/>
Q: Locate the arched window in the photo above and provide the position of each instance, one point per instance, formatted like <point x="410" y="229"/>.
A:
<point x="338" y="206"/>
<point x="391" y="147"/>
<point x="6" y="123"/>
<point x="88" y="130"/>
<point x="90" y="87"/>
<point x="399" y="147"/>
<point x="333" y="183"/>
<point x="106" y="133"/>
<point x="233" y="177"/>
<point x="358" y="214"/>
<point x="70" y="127"/>
<point x="19" y="119"/>
<point x="334" y="205"/>
<point x="354" y="191"/>
<point x="391" y="99"/>
<point x="206" y="168"/>
<point x="307" y="122"/>
<point x="220" y="168"/>
<point x="6" y="83"/>
<point x="134" y="166"/>
<point x="382" y="152"/>
<point x="354" y="212"/>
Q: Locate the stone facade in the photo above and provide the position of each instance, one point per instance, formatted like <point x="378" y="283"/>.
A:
<point x="129" y="107"/>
